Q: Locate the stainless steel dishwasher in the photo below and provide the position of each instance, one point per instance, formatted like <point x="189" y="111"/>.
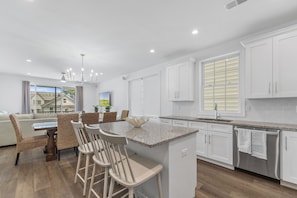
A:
<point x="269" y="167"/>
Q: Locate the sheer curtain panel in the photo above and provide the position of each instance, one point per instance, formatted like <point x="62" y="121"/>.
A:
<point x="79" y="98"/>
<point x="26" y="97"/>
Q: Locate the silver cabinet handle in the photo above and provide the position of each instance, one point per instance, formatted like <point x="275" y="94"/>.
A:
<point x="269" y="91"/>
<point x="208" y="139"/>
<point x="204" y="139"/>
<point x="286" y="143"/>
<point x="275" y="88"/>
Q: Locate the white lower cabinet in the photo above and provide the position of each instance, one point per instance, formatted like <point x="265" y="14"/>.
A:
<point x="180" y="123"/>
<point x="289" y="158"/>
<point x="214" y="142"/>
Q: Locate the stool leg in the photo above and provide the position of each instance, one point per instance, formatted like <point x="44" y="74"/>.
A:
<point x="17" y="159"/>
<point x="111" y="188"/>
<point x="77" y="167"/>
<point x="86" y="174"/>
<point x="159" y="185"/>
<point x="92" y="180"/>
<point x="131" y="192"/>
<point x="105" y="182"/>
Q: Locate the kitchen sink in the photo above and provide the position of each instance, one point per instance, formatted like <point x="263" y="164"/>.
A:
<point x="213" y="120"/>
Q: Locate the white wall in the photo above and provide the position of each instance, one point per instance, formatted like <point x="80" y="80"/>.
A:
<point x="266" y="110"/>
<point x="119" y="89"/>
<point x="11" y="91"/>
<point x="119" y="93"/>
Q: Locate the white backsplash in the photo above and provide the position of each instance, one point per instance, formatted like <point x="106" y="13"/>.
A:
<point x="281" y="110"/>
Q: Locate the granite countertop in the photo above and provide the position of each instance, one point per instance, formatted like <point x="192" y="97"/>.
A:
<point x="150" y="134"/>
<point x="243" y="123"/>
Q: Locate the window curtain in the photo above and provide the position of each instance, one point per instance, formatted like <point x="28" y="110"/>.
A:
<point x="26" y="97"/>
<point x="79" y="99"/>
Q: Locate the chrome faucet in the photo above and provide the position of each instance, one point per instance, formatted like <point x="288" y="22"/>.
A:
<point x="216" y="113"/>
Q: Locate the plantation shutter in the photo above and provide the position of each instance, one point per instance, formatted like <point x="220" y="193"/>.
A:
<point x="221" y="84"/>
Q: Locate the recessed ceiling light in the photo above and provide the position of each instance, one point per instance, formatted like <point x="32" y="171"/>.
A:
<point x="152" y="51"/>
<point x="28" y="60"/>
<point x="29" y="73"/>
<point x="101" y="73"/>
<point x="195" y="32"/>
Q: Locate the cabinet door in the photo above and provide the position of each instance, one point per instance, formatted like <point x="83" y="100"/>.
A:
<point x="186" y="82"/>
<point x="259" y="69"/>
<point x="201" y="143"/>
<point x="285" y="62"/>
<point x="201" y="136"/>
<point x="289" y="159"/>
<point x="220" y="147"/>
<point x="166" y="121"/>
<point x="172" y="83"/>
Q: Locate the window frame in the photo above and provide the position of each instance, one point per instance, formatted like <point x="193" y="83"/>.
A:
<point x="58" y="107"/>
<point x="241" y="105"/>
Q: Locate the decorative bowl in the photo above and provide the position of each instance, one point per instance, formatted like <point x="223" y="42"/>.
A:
<point x="137" y="122"/>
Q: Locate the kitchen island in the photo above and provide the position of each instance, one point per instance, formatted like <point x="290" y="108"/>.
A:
<point x="173" y="147"/>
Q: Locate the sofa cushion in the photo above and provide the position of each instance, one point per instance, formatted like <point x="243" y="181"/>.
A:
<point x="4" y="117"/>
<point x="44" y="115"/>
<point x="24" y="116"/>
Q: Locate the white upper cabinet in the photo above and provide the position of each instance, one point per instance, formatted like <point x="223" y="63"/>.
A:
<point x="180" y="82"/>
<point x="271" y="66"/>
<point x="285" y="64"/>
<point x="259" y="69"/>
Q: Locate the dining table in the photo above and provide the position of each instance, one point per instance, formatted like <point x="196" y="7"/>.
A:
<point x="51" y="128"/>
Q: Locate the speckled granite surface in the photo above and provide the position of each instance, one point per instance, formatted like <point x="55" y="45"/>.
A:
<point x="150" y="134"/>
<point x="280" y="126"/>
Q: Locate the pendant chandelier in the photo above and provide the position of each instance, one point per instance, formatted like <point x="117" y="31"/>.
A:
<point x="70" y="75"/>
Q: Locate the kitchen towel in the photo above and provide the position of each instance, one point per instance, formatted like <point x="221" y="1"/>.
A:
<point x="244" y="140"/>
<point x="259" y="148"/>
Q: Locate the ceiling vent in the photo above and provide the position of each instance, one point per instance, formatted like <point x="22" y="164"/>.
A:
<point x="234" y="3"/>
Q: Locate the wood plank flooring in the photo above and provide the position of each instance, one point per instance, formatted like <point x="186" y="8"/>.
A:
<point x="34" y="178"/>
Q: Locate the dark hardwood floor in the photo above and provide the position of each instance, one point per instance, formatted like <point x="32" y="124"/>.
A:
<point x="34" y="178"/>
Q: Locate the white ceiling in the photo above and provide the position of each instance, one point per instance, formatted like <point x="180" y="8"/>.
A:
<point x="116" y="36"/>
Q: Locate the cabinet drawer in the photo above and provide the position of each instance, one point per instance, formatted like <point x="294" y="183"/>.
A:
<point x="220" y="128"/>
<point x="181" y="123"/>
<point x="198" y="125"/>
<point x="166" y="121"/>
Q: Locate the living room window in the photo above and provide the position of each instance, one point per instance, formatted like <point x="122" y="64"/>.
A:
<point x="220" y="84"/>
<point x="46" y="99"/>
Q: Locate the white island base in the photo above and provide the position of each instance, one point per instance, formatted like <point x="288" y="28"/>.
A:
<point x="179" y="174"/>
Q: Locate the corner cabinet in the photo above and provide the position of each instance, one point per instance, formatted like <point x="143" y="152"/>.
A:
<point x="271" y="66"/>
<point x="289" y="159"/>
<point x="214" y="143"/>
<point x="180" y="82"/>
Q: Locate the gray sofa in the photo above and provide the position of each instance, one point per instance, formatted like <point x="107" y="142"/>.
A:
<point x="7" y="134"/>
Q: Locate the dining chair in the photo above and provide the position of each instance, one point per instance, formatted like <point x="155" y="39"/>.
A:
<point x="28" y="143"/>
<point x="65" y="136"/>
<point x="109" y="117"/>
<point x="129" y="171"/>
<point x="124" y="114"/>
<point x="90" y="118"/>
<point x="85" y="149"/>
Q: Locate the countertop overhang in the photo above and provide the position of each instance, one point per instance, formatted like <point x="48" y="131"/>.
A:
<point x="150" y="134"/>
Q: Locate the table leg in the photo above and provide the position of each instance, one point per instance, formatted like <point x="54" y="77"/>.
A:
<point x="51" y="154"/>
